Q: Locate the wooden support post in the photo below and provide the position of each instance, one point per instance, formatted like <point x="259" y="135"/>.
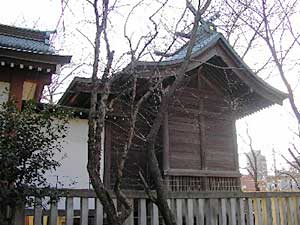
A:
<point x="166" y="151"/>
<point x="107" y="154"/>
<point x="235" y="147"/>
<point x="201" y="124"/>
<point x="16" y="90"/>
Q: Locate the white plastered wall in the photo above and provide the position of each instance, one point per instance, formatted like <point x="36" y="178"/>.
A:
<point x="4" y="91"/>
<point x="73" y="173"/>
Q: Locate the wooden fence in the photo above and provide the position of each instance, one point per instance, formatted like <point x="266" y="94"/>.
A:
<point x="190" y="208"/>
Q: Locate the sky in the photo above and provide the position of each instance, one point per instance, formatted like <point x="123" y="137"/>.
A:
<point x="269" y="128"/>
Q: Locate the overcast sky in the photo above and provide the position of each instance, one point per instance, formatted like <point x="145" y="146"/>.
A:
<point x="269" y="128"/>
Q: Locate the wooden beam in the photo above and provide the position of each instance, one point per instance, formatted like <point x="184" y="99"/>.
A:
<point x="166" y="152"/>
<point x="16" y="89"/>
<point x="235" y="146"/>
<point x="201" y="121"/>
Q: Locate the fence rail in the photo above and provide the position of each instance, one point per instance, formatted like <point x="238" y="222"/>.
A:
<point x="190" y="208"/>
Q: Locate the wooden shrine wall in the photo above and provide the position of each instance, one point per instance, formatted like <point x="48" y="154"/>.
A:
<point x="201" y="129"/>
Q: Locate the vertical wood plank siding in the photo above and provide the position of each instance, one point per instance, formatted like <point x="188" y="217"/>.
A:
<point x="198" y="133"/>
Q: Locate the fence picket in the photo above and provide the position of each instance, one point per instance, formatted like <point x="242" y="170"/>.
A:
<point x="242" y="211"/>
<point x="38" y="212"/>
<point x="250" y="212"/>
<point x="69" y="211"/>
<point x="281" y="211"/>
<point x="233" y="211"/>
<point x="264" y="211"/>
<point x="154" y="215"/>
<point x="223" y="212"/>
<point x="276" y="216"/>
<point x="296" y="213"/>
<point x="189" y="209"/>
<point x="269" y="211"/>
<point x="98" y="212"/>
<point x="19" y="215"/>
<point x="298" y="208"/>
<point x="213" y="204"/>
<point x="179" y="211"/>
<point x="290" y="213"/>
<point x="53" y="213"/>
<point x="190" y="215"/>
<point x="259" y="211"/>
<point x="200" y="220"/>
<point x="142" y="212"/>
<point x="84" y="211"/>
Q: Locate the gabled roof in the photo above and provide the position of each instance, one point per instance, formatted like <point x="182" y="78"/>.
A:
<point x="209" y="44"/>
<point x="214" y="53"/>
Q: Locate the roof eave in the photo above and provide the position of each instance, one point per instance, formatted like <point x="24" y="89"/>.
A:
<point x="37" y="57"/>
<point x="272" y="94"/>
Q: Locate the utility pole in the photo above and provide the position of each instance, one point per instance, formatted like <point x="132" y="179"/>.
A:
<point x="275" y="169"/>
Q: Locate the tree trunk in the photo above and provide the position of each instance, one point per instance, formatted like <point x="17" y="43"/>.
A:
<point x="161" y="189"/>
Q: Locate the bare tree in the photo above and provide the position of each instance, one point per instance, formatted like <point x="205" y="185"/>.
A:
<point x="252" y="160"/>
<point x="100" y="106"/>
<point x="272" y="25"/>
<point x="269" y="25"/>
<point x="293" y="161"/>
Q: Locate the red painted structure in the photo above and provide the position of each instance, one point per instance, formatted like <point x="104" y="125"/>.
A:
<point x="26" y="55"/>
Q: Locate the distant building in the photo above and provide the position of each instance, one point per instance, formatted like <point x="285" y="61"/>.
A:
<point x="247" y="184"/>
<point x="262" y="170"/>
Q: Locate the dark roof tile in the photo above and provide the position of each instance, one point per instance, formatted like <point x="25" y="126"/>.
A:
<point x="25" y="44"/>
<point x="203" y="40"/>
